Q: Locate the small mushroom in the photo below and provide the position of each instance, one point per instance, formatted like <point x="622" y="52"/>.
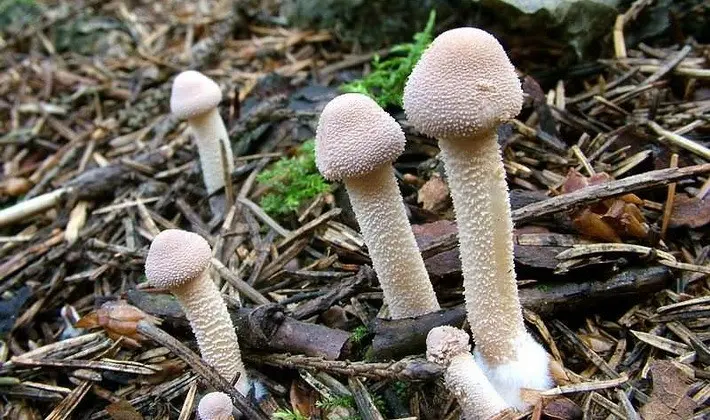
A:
<point x="179" y="260"/>
<point x="463" y="87"/>
<point x="449" y="347"/>
<point x="356" y="142"/>
<point x="215" y="406"/>
<point x="195" y="97"/>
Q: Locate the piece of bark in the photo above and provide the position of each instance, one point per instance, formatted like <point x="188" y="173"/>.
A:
<point x="347" y="287"/>
<point x="394" y="339"/>
<point x="267" y="328"/>
<point x="264" y="328"/>
<point x="437" y="240"/>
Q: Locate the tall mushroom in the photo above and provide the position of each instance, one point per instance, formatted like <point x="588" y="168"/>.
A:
<point x="449" y="347"/>
<point x="195" y="97"/>
<point x="356" y="142"/>
<point x="460" y="91"/>
<point x="179" y="260"/>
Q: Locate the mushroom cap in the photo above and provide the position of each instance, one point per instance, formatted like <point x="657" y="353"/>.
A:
<point x="445" y="342"/>
<point x="215" y="406"/>
<point x="176" y="257"/>
<point x="193" y="94"/>
<point x="463" y="84"/>
<point x="355" y="136"/>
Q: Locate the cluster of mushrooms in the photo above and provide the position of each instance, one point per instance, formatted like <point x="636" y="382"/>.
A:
<point x="461" y="90"/>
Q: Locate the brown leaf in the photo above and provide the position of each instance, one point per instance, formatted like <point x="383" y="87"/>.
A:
<point x="303" y="398"/>
<point x="591" y="224"/>
<point x="597" y="342"/>
<point x="692" y="212"/>
<point x="434" y="194"/>
<point x="562" y="408"/>
<point x="669" y="396"/>
<point x="123" y="410"/>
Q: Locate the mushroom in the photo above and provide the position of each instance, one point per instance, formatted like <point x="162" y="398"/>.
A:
<point x="179" y="260"/>
<point x="215" y="406"/>
<point x="356" y="142"/>
<point x="463" y="87"/>
<point x="448" y="346"/>
<point x="195" y="97"/>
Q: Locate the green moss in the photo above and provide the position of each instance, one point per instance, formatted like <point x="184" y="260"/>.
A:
<point x="292" y="182"/>
<point x="385" y="84"/>
<point x="288" y="415"/>
<point x="336" y="401"/>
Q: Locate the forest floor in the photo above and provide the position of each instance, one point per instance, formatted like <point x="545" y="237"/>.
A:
<point x="609" y="189"/>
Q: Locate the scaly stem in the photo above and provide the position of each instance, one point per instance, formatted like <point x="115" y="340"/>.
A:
<point x="480" y="195"/>
<point x="213" y="328"/>
<point x="380" y="212"/>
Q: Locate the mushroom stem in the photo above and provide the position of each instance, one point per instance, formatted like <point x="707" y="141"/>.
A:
<point x="375" y="198"/>
<point x="480" y="195"/>
<point x="213" y="328"/>
<point x="206" y="128"/>
<point x="476" y="396"/>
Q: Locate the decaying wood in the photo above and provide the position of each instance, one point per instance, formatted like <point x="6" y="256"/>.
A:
<point x="262" y="328"/>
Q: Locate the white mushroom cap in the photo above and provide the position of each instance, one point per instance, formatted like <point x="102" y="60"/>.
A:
<point x="215" y="406"/>
<point x="464" y="83"/>
<point x="355" y="136"/>
<point x="445" y="342"/>
<point x="176" y="257"/>
<point x="193" y="94"/>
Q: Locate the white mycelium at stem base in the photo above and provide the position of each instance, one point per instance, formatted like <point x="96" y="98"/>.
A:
<point x="179" y="260"/>
<point x="356" y="141"/>
<point x="448" y="346"/>
<point x="195" y="97"/>
<point x="463" y="87"/>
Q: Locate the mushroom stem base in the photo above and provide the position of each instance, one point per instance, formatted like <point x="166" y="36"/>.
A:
<point x="529" y="370"/>
<point x="380" y="212"/>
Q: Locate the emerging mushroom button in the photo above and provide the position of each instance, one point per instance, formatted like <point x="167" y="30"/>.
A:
<point x="461" y="89"/>
<point x="356" y="142"/>
<point x="448" y="346"/>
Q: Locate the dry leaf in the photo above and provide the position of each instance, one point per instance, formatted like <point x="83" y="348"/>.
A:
<point x="690" y="211"/>
<point x="434" y="194"/>
<point x="669" y="396"/>
<point x="119" y="319"/>
<point x="596" y="342"/>
<point x="591" y="224"/>
<point x="562" y="408"/>
<point x="610" y="219"/>
<point x="123" y="410"/>
<point x="303" y="398"/>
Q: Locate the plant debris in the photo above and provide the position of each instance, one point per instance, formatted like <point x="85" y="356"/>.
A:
<point x="607" y="166"/>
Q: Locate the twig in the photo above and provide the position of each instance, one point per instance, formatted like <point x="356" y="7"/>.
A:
<point x="408" y="369"/>
<point x="201" y="368"/>
<point x="594" y="193"/>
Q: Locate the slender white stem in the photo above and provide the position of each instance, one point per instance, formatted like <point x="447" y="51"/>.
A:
<point x="380" y="212"/>
<point x="213" y="328"/>
<point x="477" y="181"/>
<point x="209" y="131"/>
<point x="30" y="207"/>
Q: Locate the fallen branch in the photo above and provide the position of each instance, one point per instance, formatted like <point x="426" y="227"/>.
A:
<point x="206" y="372"/>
